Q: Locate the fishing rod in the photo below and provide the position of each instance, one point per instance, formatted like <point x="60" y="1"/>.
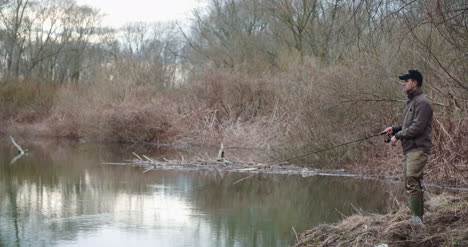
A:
<point x="387" y="140"/>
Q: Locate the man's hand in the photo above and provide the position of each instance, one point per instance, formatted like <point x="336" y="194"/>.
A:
<point x="389" y="131"/>
<point x="393" y="141"/>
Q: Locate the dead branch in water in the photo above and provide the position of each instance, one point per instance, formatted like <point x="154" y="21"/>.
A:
<point x="20" y="151"/>
<point x="294" y="230"/>
<point x="137" y="156"/>
<point x="146" y="157"/>
<point x="242" y="179"/>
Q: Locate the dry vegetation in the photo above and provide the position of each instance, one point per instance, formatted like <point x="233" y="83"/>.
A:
<point x="445" y="224"/>
<point x="284" y="76"/>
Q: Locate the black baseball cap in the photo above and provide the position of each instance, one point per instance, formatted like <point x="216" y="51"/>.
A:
<point x="412" y="74"/>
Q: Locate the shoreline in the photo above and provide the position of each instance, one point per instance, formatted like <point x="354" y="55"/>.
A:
<point x="444" y="224"/>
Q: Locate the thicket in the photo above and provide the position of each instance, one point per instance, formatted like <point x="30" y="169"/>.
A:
<point x="288" y="76"/>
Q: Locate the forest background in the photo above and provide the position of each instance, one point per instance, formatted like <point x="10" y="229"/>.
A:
<point x="282" y="77"/>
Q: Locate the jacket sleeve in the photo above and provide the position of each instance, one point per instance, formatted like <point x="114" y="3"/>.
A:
<point x="396" y="129"/>
<point x="422" y="116"/>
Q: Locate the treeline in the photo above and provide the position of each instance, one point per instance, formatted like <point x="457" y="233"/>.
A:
<point x="291" y="75"/>
<point x="266" y="34"/>
<point x="63" y="41"/>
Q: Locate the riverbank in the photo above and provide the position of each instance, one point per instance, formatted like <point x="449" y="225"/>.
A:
<point x="265" y="112"/>
<point x="445" y="222"/>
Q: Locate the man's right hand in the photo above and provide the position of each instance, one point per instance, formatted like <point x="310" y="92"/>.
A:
<point x="389" y="131"/>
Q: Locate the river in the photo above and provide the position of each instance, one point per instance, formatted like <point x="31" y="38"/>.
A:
<point x="60" y="194"/>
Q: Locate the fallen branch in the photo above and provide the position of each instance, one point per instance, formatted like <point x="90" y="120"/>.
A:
<point x="116" y="164"/>
<point x="242" y="179"/>
<point x="147" y="170"/>
<point x="20" y="150"/>
<point x="146" y="157"/>
<point x="294" y="230"/>
<point x="137" y="156"/>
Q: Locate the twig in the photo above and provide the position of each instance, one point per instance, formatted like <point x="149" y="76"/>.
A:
<point x="137" y="156"/>
<point x="16" y="158"/>
<point x="21" y="151"/>
<point x="220" y="153"/>
<point x="147" y="170"/>
<point x="342" y="215"/>
<point x="445" y="131"/>
<point x="146" y="157"/>
<point x="116" y="164"/>
<point x="248" y="169"/>
<point x="242" y="179"/>
<point x="294" y="230"/>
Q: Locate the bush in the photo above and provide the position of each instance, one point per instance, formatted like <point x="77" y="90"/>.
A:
<point x="26" y="101"/>
<point x="110" y="111"/>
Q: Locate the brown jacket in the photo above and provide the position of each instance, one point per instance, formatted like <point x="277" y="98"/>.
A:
<point x="416" y="131"/>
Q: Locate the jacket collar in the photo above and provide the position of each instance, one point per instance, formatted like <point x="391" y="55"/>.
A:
<point x="415" y="92"/>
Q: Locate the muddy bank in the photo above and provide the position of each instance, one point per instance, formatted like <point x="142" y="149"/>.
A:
<point x="445" y="224"/>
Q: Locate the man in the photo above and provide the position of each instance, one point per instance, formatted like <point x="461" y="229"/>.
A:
<point x="415" y="134"/>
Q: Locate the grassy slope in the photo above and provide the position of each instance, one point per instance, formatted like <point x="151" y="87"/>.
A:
<point x="445" y="224"/>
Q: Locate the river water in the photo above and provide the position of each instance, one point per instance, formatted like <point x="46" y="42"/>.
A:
<point x="61" y="195"/>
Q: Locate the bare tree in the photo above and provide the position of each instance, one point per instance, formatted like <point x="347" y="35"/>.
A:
<point x="148" y="53"/>
<point x="44" y="40"/>
<point x="15" y="21"/>
<point x="231" y="33"/>
<point x="297" y="15"/>
<point x="80" y="27"/>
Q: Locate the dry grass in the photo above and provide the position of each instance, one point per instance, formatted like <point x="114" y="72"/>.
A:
<point x="450" y="154"/>
<point x="444" y="225"/>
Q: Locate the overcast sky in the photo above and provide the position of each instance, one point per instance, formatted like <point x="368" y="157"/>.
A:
<point x="119" y="12"/>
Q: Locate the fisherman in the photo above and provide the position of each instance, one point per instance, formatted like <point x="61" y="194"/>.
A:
<point x="415" y="134"/>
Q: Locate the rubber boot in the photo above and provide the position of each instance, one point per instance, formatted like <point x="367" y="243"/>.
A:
<point x="417" y="206"/>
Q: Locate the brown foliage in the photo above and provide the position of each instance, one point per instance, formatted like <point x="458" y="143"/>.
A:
<point x="444" y="225"/>
<point x="450" y="153"/>
<point x="25" y="101"/>
<point x="230" y="107"/>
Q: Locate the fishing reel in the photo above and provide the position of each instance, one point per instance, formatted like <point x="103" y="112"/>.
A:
<point x="387" y="139"/>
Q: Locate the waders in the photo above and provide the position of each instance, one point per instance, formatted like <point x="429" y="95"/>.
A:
<point x="417" y="205"/>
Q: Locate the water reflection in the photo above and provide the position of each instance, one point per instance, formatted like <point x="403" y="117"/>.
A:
<point x="61" y="196"/>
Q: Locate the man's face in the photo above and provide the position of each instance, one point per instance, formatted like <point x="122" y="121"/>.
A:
<point x="410" y="84"/>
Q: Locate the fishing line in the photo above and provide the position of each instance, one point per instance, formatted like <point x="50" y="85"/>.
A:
<point x="329" y="148"/>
